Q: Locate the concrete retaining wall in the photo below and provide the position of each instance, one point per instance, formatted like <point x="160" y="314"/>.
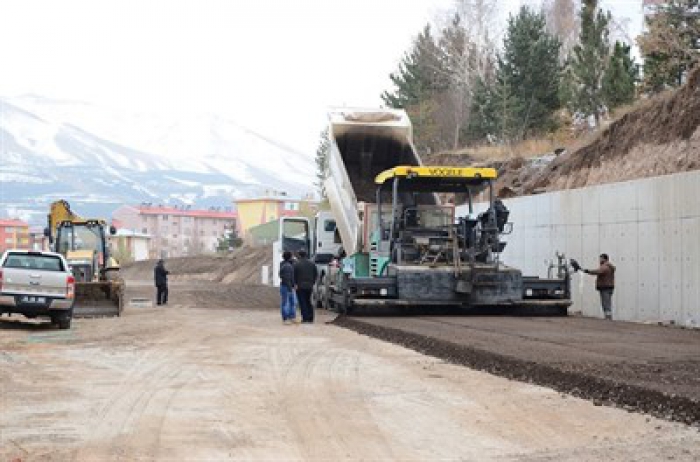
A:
<point x="650" y="228"/>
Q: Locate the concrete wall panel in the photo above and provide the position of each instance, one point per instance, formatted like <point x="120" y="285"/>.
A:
<point x="588" y="259"/>
<point x="691" y="270"/>
<point x="571" y="205"/>
<point x="650" y="227"/>
<point x="624" y="203"/>
<point x="670" y="271"/>
<point x="648" y="271"/>
<point x="543" y="209"/>
<point x="687" y="195"/>
<point x="590" y="205"/>
<point x="649" y="196"/>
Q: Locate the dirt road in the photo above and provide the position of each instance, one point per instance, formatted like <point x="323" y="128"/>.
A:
<point x="208" y="378"/>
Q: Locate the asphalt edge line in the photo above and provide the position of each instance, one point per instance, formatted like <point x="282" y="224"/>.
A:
<point x="631" y="398"/>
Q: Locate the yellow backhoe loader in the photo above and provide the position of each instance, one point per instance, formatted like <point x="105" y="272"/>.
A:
<point x="99" y="290"/>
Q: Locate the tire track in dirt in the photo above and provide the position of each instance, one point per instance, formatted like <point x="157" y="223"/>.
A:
<point x="329" y="423"/>
<point x="154" y="374"/>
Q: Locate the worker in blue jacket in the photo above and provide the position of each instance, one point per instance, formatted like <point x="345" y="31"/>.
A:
<point x="287" y="288"/>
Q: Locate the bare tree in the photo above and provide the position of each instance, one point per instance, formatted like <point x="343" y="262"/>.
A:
<point x="468" y="48"/>
<point x="563" y="22"/>
<point x="480" y="32"/>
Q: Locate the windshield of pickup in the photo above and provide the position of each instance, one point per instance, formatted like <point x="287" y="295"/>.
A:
<point x="33" y="262"/>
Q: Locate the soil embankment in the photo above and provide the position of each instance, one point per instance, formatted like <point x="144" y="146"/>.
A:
<point x="659" y="137"/>
<point x="239" y="267"/>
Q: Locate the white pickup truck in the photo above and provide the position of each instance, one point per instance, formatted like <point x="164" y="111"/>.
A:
<point x="37" y="284"/>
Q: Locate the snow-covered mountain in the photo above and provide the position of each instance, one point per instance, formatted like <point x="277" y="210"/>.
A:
<point x="98" y="159"/>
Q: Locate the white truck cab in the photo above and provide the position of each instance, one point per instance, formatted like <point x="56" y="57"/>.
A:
<point x="326" y="238"/>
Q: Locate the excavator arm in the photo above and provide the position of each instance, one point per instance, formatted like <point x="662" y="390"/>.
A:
<point x="60" y="212"/>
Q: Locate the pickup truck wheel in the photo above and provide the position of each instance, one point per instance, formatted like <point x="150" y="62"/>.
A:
<point x="64" y="320"/>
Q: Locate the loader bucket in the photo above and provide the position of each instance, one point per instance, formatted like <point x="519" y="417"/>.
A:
<point x="98" y="299"/>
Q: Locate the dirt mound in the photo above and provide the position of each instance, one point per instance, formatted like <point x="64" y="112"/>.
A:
<point x="240" y="267"/>
<point x="658" y="138"/>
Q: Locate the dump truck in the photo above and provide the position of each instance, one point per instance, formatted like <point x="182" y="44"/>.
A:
<point x="99" y="289"/>
<point x="318" y="237"/>
<point x="402" y="243"/>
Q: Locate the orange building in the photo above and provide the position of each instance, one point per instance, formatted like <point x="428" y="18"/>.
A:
<point x="14" y="234"/>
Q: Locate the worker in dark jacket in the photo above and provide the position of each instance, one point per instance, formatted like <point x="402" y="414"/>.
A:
<point x="604" y="283"/>
<point x="287" y="287"/>
<point x="305" y="274"/>
<point x="160" y="275"/>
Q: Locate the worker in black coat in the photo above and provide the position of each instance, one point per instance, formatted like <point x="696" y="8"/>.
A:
<point x="160" y="275"/>
<point x="305" y="275"/>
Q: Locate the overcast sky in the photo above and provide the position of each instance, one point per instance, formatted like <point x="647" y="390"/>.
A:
<point x="271" y="65"/>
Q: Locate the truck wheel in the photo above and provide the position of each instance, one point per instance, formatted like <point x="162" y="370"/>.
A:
<point x="64" y="320"/>
<point x="326" y="301"/>
<point x="315" y="299"/>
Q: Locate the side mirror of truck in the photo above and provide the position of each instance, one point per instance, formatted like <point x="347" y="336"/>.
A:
<point x="112" y="230"/>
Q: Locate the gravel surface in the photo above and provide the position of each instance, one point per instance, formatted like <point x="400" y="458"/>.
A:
<point x="214" y="375"/>
<point x="645" y="368"/>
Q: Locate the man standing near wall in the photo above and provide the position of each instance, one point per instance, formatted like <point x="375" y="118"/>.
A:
<point x="604" y="283"/>
<point x="305" y="274"/>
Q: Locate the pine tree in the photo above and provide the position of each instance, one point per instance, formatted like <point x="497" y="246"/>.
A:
<point x="525" y="94"/>
<point x="419" y="74"/>
<point x="483" y="123"/>
<point x="589" y="61"/>
<point x="529" y="69"/>
<point x="620" y="77"/>
<point x="322" y="159"/>
<point x="418" y="81"/>
<point x="671" y="44"/>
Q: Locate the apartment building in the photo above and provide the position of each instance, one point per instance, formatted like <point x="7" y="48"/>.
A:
<point x="14" y="234"/>
<point x="38" y="239"/>
<point x="176" y="231"/>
